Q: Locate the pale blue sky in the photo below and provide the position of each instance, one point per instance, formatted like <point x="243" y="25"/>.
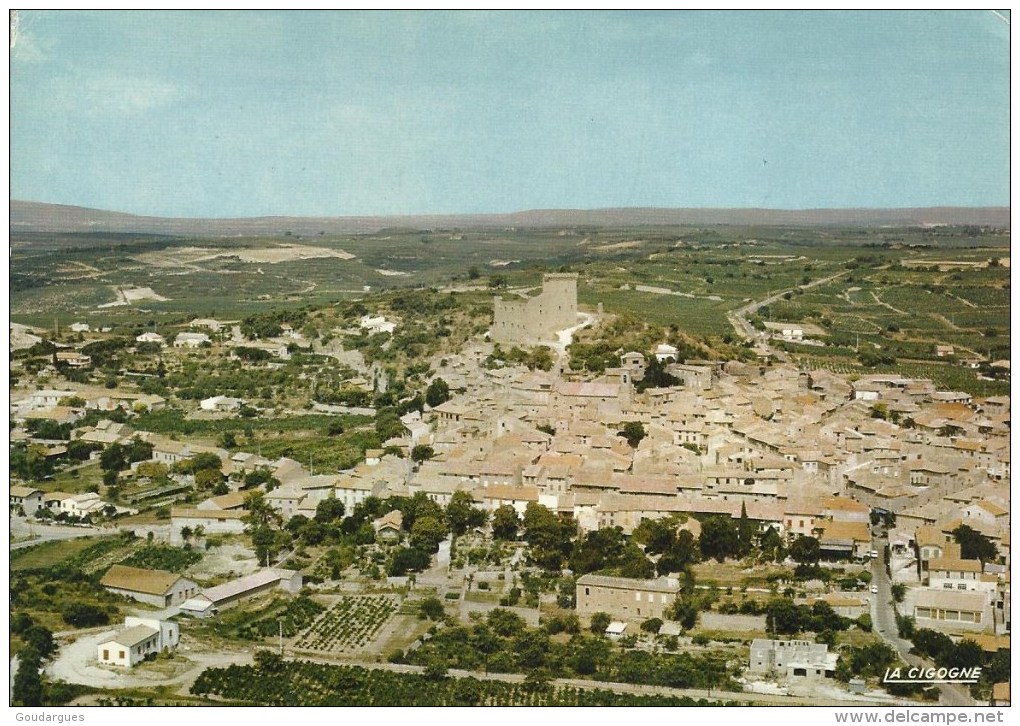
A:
<point x="336" y="113"/>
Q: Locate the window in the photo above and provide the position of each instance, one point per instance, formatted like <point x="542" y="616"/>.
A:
<point x="922" y="612"/>
<point x="122" y="655"/>
<point x="106" y="654"/>
<point x="961" y="586"/>
<point x="587" y="591"/>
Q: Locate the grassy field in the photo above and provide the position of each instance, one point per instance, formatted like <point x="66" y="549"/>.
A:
<point x="47" y="554"/>
<point x="903" y="290"/>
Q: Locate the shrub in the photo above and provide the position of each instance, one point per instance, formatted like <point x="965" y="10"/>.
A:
<point x="84" y="615"/>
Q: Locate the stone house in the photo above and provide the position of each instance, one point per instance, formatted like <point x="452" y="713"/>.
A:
<point x="625" y="598"/>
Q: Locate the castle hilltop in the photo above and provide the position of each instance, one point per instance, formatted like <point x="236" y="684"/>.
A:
<point x="528" y="320"/>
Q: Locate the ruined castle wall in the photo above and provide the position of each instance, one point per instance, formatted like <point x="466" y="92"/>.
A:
<point x="538" y="318"/>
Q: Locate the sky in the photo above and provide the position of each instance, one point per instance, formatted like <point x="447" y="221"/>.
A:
<point x="226" y="114"/>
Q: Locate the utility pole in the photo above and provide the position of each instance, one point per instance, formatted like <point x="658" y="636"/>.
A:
<point x="280" y="622"/>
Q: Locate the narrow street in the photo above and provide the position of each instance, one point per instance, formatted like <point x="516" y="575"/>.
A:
<point x="883" y="615"/>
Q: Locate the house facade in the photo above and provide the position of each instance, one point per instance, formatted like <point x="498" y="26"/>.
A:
<point x="625" y="598"/>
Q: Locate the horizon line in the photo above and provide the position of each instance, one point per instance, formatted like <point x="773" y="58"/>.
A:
<point x="531" y="210"/>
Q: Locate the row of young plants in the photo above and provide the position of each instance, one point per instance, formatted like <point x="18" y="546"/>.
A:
<point x="274" y="682"/>
<point x="295" y="615"/>
<point x="349" y="624"/>
<point x="162" y="557"/>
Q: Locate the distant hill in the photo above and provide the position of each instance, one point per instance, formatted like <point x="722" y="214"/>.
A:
<point x="55" y="218"/>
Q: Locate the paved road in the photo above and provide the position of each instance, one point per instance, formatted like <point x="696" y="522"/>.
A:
<point x="883" y="615"/>
<point x="738" y="317"/>
<point x="20" y="527"/>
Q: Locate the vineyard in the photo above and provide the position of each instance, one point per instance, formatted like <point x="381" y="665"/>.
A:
<point x="293" y="616"/>
<point x="349" y="624"/>
<point x="160" y="557"/>
<point x="299" y="683"/>
<point x="945" y="377"/>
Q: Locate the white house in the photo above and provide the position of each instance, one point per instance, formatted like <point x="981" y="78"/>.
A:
<point x="220" y="403"/>
<point x="140" y="638"/>
<point x="377" y="324"/>
<point x="664" y="351"/>
<point x="789" y="331"/>
<point x="190" y="340"/>
<point x="150" y="337"/>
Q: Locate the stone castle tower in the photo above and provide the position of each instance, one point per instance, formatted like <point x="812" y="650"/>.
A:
<point x="529" y="320"/>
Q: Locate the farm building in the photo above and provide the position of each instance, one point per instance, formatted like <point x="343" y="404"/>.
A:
<point x="150" y="337"/>
<point x="155" y="587"/>
<point x="27" y="498"/>
<point x="230" y="593"/>
<point x="220" y="403"/>
<point x="789" y="331"/>
<point x="190" y="340"/>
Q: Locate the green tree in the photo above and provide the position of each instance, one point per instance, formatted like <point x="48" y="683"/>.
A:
<point x="745" y="532"/>
<point x="719" y="538"/>
<point x="207" y="478"/>
<point x="462" y="514"/>
<point x="505" y="623"/>
<point x="426" y="534"/>
<point x="505" y="523"/>
<point x="597" y="550"/>
<point x="408" y="559"/>
<point x="27" y="688"/>
<point x="633" y="432"/>
<point x="783" y="616"/>
<point x="549" y="536"/>
<point x="683" y="610"/>
<point x="422" y="452"/>
<point x="771" y="545"/>
<point x="431" y="608"/>
<point x="437" y="393"/>
<point x="486" y="642"/>
<point x="652" y="625"/>
<point x="805" y="550"/>
<point x="599" y="622"/>
<point x="329" y="510"/>
<point x="974" y="545"/>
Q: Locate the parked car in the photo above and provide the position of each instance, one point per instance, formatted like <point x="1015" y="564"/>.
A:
<point x="874" y="589"/>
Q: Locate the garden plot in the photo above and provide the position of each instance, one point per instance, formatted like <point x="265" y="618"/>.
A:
<point x="349" y="625"/>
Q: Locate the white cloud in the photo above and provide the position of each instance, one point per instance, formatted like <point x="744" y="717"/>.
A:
<point x="102" y="95"/>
